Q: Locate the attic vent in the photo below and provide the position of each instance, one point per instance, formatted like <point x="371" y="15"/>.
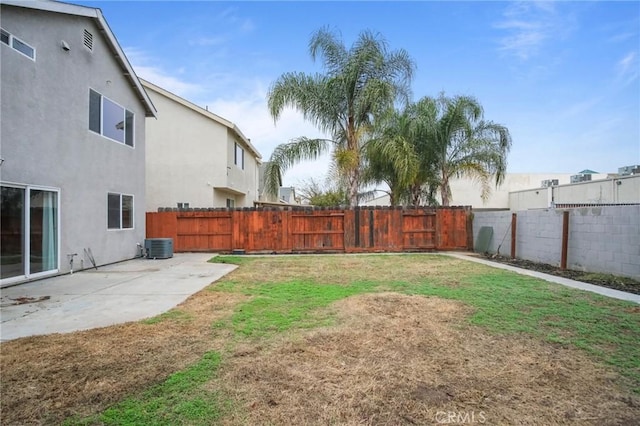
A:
<point x="88" y="40"/>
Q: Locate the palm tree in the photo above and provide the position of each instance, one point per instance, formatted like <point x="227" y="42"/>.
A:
<point x="400" y="155"/>
<point x="358" y="85"/>
<point x="464" y="144"/>
<point x="418" y="150"/>
<point x="391" y="156"/>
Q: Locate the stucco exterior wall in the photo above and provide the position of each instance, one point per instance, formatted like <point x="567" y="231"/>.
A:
<point x="624" y="189"/>
<point x="183" y="160"/>
<point x="537" y="198"/>
<point x="620" y="190"/>
<point x="466" y="192"/>
<point x="45" y="135"/>
<point x="190" y="159"/>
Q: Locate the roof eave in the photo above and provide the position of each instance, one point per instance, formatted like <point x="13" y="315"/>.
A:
<point x="96" y="15"/>
<point x="128" y="73"/>
<point x="220" y="120"/>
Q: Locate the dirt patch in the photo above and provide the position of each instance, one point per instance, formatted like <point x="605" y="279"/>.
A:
<point x="46" y="379"/>
<point x="615" y="282"/>
<point x="397" y="359"/>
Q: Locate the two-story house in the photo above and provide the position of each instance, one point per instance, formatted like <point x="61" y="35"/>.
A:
<point x="72" y="171"/>
<point x="196" y="158"/>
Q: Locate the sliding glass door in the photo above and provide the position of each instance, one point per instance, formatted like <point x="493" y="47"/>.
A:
<point x="29" y="232"/>
<point x="12" y="240"/>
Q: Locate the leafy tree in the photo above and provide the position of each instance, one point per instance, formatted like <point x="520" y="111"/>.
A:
<point x="327" y="195"/>
<point x="358" y="85"/>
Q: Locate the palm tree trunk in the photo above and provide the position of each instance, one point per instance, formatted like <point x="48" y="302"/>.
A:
<point x="445" y="190"/>
<point x="415" y="195"/>
<point x="353" y="187"/>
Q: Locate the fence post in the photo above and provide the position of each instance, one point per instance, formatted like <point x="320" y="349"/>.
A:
<point x="469" y="218"/>
<point x="514" y="221"/>
<point x="565" y="239"/>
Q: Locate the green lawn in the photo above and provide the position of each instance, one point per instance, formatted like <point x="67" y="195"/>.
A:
<point x="289" y="293"/>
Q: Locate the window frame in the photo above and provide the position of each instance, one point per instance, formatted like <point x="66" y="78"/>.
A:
<point x="121" y="212"/>
<point x="27" y="188"/>
<point x="238" y="148"/>
<point x="10" y="42"/>
<point x="128" y="119"/>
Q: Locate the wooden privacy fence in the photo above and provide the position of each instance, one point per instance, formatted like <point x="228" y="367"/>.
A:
<point x="312" y="230"/>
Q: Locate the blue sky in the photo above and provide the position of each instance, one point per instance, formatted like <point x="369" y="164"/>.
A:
<point x="564" y="77"/>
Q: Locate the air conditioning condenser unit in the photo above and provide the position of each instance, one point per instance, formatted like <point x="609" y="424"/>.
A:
<point x="159" y="248"/>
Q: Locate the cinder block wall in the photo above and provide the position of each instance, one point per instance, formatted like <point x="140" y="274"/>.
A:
<point x="601" y="239"/>
<point x="501" y="223"/>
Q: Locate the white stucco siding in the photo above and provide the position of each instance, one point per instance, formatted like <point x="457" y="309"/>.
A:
<point x="190" y="157"/>
<point x="466" y="192"/>
<point x="183" y="155"/>
<point x="624" y="189"/>
<point x="242" y="178"/>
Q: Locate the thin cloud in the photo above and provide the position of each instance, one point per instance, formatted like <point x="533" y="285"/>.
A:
<point x="580" y="108"/>
<point x="247" y="26"/>
<point x="231" y="17"/>
<point x="529" y="26"/>
<point x="141" y="64"/>
<point x="207" y="41"/>
<point x="250" y="113"/>
<point x="621" y="37"/>
<point x="628" y="68"/>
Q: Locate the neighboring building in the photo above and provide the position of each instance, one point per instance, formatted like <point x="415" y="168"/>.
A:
<point x="466" y="192"/>
<point x="613" y="191"/>
<point x="287" y="194"/>
<point x="197" y="159"/>
<point x="73" y="142"/>
<point x="629" y="170"/>
<point x="539" y="191"/>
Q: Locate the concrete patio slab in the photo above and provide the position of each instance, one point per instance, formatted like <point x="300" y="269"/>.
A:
<point x="118" y="293"/>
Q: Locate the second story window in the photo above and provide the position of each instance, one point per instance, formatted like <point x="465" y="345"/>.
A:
<point x="109" y="119"/>
<point x="17" y="44"/>
<point x="238" y="158"/>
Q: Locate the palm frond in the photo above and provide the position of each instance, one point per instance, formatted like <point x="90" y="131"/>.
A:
<point x="358" y="85"/>
<point x="286" y="155"/>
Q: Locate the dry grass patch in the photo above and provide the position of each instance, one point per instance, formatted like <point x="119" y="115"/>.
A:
<point x="330" y="340"/>
<point x="347" y="269"/>
<point x="398" y="359"/>
<point x="46" y="379"/>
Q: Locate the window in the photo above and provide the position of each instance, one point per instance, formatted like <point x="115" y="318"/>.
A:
<point x="183" y="205"/>
<point x="110" y="119"/>
<point x="238" y="157"/>
<point x="17" y="44"/>
<point x="231" y="203"/>
<point x="119" y="211"/>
